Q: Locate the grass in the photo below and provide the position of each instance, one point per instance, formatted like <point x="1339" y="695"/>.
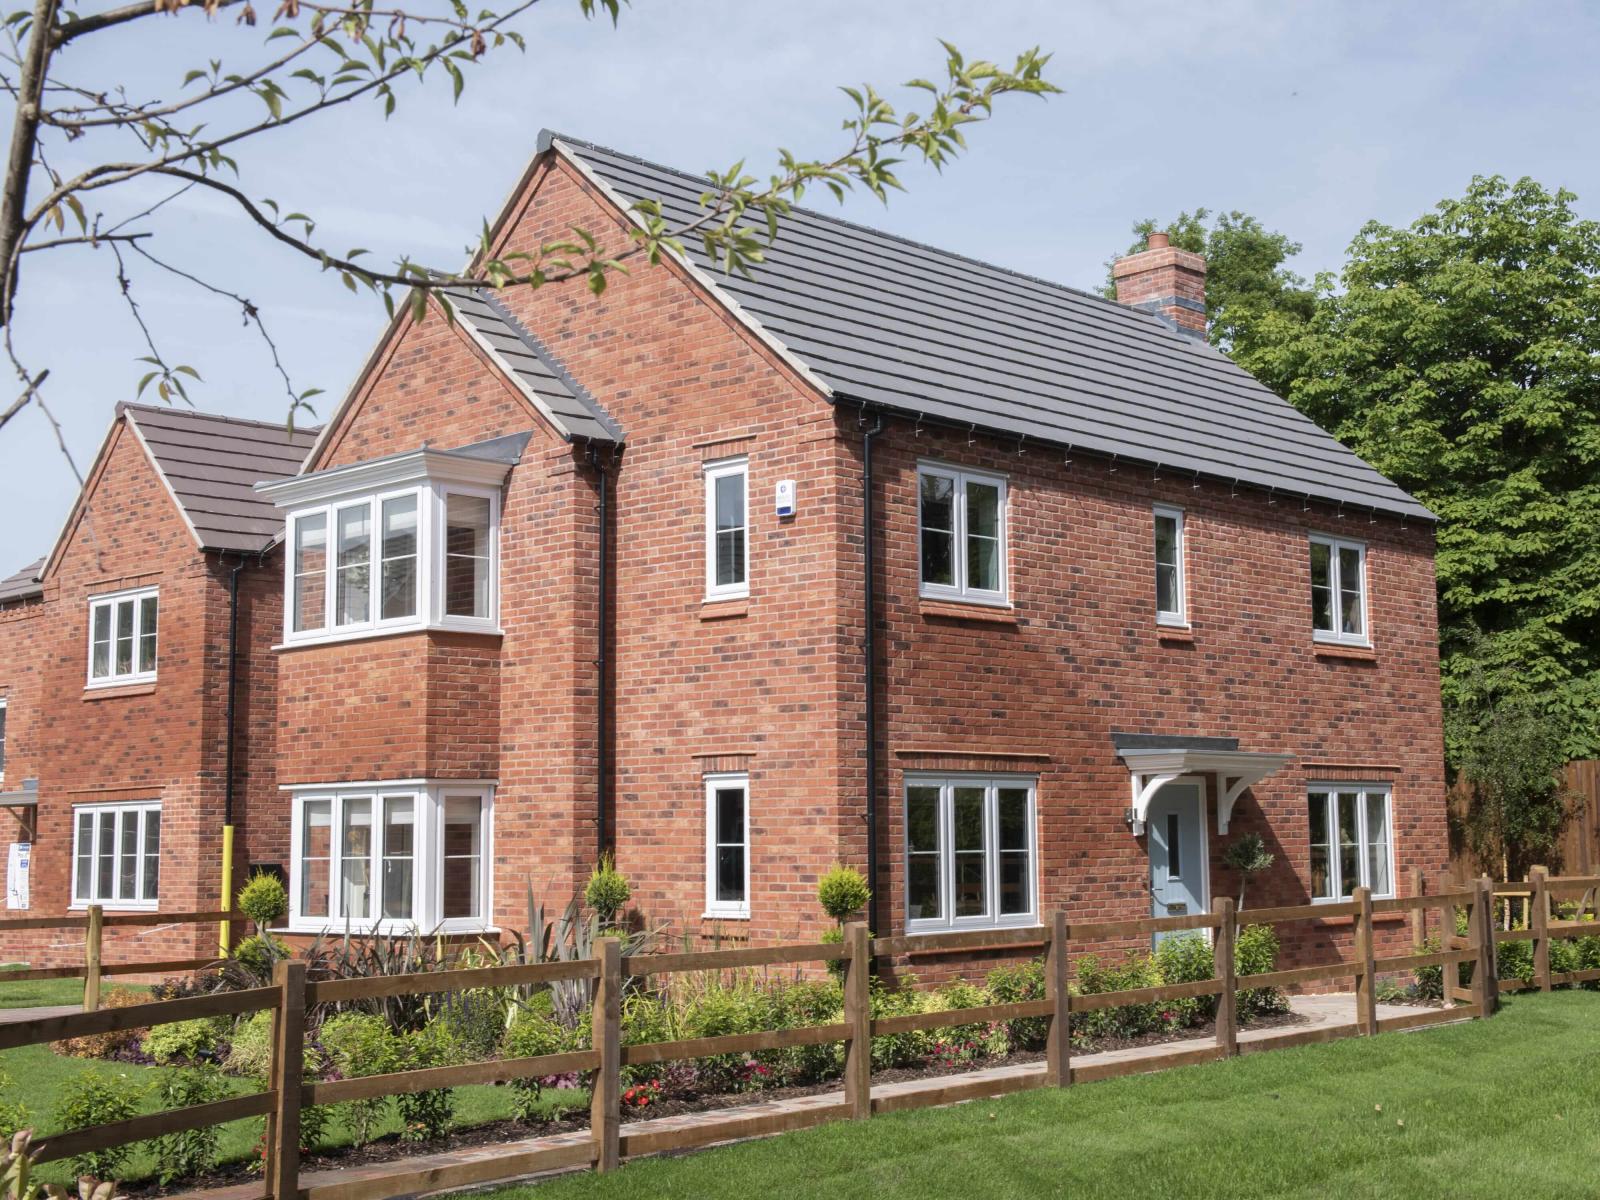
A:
<point x="37" y="993"/>
<point x="1508" y="1106"/>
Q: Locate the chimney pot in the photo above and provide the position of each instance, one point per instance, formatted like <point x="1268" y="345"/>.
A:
<point x="1158" y="241"/>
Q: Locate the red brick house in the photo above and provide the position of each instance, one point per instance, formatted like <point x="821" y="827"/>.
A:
<point x="724" y="573"/>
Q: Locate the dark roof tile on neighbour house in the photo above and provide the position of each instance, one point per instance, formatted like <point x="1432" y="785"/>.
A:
<point x="530" y="365"/>
<point x="211" y="463"/>
<point x="23" y="584"/>
<point x="885" y="321"/>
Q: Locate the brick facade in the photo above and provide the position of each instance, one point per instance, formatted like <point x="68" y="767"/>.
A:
<point x="772" y="684"/>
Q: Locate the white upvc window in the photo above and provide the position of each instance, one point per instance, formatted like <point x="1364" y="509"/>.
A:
<point x="727" y="484"/>
<point x="1351" y="840"/>
<point x="1172" y="607"/>
<point x="394" y="857"/>
<point x="971" y="852"/>
<point x="415" y="558"/>
<point x="116" y="854"/>
<point x="1339" y="590"/>
<point x="727" y="845"/>
<point x="122" y="638"/>
<point x="961" y="528"/>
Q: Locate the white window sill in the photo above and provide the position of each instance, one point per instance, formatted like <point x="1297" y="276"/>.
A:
<point x="115" y="906"/>
<point x="1172" y="621"/>
<point x="922" y="929"/>
<point x="726" y="915"/>
<point x="358" y="929"/>
<point x="121" y="681"/>
<point x="1328" y="639"/>
<point x="719" y="597"/>
<point x="1315" y="900"/>
<point x="362" y="635"/>
<point x="951" y="596"/>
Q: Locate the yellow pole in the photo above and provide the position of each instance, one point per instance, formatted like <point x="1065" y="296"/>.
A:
<point x="227" y="886"/>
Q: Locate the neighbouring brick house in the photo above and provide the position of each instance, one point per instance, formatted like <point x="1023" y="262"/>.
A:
<point x="575" y="572"/>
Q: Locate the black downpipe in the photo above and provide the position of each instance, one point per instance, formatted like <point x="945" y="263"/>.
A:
<point x="602" y="663"/>
<point x="869" y="649"/>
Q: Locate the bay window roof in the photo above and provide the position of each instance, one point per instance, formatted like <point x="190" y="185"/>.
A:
<point x="483" y="463"/>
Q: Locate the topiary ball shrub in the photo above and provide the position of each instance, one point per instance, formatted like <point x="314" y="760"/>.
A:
<point x="264" y="900"/>
<point x="842" y="892"/>
<point x="184" y="1041"/>
<point x="607" y="891"/>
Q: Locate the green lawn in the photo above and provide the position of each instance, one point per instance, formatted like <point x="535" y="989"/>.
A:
<point x="1505" y="1107"/>
<point x="37" y="993"/>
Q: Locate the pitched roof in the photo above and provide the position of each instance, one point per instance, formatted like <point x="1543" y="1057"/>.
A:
<point x="881" y="320"/>
<point x="23" y="584"/>
<point x="529" y="364"/>
<point x="210" y="463"/>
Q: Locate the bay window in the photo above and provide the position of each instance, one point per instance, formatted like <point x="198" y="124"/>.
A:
<point x="406" y="543"/>
<point x="961" y="522"/>
<point x="122" y="638"/>
<point x="971" y="852"/>
<point x="116" y="854"/>
<point x="1350" y="840"/>
<point x="396" y="857"/>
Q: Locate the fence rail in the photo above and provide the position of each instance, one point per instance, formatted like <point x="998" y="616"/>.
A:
<point x="606" y="1144"/>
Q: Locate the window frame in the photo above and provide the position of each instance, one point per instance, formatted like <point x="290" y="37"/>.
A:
<point x="1178" y="618"/>
<point x="960" y="590"/>
<point x="1363" y="837"/>
<point x="711" y="472"/>
<point x="427" y="859"/>
<point x="725" y="909"/>
<point x="432" y="547"/>
<point x="112" y="600"/>
<point x="116" y="809"/>
<point x="947" y="782"/>
<point x="1336" y="636"/>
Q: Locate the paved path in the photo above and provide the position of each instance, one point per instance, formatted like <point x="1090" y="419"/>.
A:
<point x="1320" y="1010"/>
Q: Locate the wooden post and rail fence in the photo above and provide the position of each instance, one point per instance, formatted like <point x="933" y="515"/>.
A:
<point x="94" y="922"/>
<point x="607" y="972"/>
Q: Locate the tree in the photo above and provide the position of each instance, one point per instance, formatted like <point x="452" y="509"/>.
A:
<point x="1459" y="356"/>
<point x="320" y="55"/>
<point x="1245" y="275"/>
<point x="1248" y="855"/>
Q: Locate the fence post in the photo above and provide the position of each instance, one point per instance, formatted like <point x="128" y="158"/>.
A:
<point x="1539" y="923"/>
<point x="1480" y="932"/>
<point x="1058" y="1044"/>
<point x="858" y="1015"/>
<point x="1226" y="969"/>
<point x="92" y="940"/>
<point x="282" y="1145"/>
<point x="1419" y="914"/>
<point x="1366" y="956"/>
<point x="605" y="1108"/>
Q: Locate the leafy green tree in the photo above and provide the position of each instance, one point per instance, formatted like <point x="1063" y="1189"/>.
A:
<point x="87" y="147"/>
<point x="1245" y="273"/>
<point x="1461" y="356"/>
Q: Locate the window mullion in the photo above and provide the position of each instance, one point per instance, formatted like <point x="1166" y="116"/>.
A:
<point x="958" y="551"/>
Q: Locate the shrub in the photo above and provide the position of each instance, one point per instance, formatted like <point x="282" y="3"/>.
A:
<point x="250" y="1047"/>
<point x="427" y="1114"/>
<point x="1187" y="958"/>
<point x="477" y="1020"/>
<point x="258" y="952"/>
<point x="899" y="1049"/>
<point x="104" y="1045"/>
<point x="607" y="891"/>
<point x="13" y="1113"/>
<point x="264" y="900"/>
<point x="744" y="1007"/>
<point x="799" y="1005"/>
<point x="191" y="1152"/>
<point x="359" y="1044"/>
<point x="973" y="1040"/>
<point x="1130" y="1020"/>
<point x="1014" y="985"/>
<point x="530" y="1035"/>
<point x="842" y="892"/>
<point x="1256" y="953"/>
<point x="1514" y="960"/>
<point x="97" y="1098"/>
<point x="1430" y="980"/>
<point x="184" y="1041"/>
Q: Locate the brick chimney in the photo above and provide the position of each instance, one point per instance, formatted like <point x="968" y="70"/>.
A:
<point x="1166" y="281"/>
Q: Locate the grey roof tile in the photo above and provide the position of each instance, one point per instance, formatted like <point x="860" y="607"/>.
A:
<point x="23" y="584"/>
<point x="211" y="462"/>
<point x="886" y="321"/>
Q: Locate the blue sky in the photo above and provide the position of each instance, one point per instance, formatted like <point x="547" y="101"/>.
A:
<point x="1314" y="117"/>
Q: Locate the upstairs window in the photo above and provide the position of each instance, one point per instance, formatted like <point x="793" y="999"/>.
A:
<point x="116" y="854"/>
<point x="727" y="529"/>
<point x="1350" y="843"/>
<point x="122" y="638"/>
<point x="1171" y="602"/>
<point x="962" y="534"/>
<point x="1338" y="590"/>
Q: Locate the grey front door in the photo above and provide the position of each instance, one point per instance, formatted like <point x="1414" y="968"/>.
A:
<point x="1176" y="836"/>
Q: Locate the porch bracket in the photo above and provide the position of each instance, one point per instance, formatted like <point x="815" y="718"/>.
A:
<point x="1232" y="789"/>
<point x="1145" y="788"/>
<point x="1155" y="761"/>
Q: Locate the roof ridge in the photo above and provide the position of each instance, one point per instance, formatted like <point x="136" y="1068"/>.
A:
<point x="191" y="411"/>
<point x="883" y="233"/>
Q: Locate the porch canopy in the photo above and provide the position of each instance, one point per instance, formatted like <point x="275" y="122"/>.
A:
<point x="1155" y="760"/>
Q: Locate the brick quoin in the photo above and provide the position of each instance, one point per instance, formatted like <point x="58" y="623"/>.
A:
<point x="771" y="685"/>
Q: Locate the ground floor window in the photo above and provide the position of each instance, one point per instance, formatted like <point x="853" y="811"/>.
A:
<point x="1350" y="840"/>
<point x="727" y="845"/>
<point x="399" y="856"/>
<point x="116" y="854"/>
<point x="971" y="852"/>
